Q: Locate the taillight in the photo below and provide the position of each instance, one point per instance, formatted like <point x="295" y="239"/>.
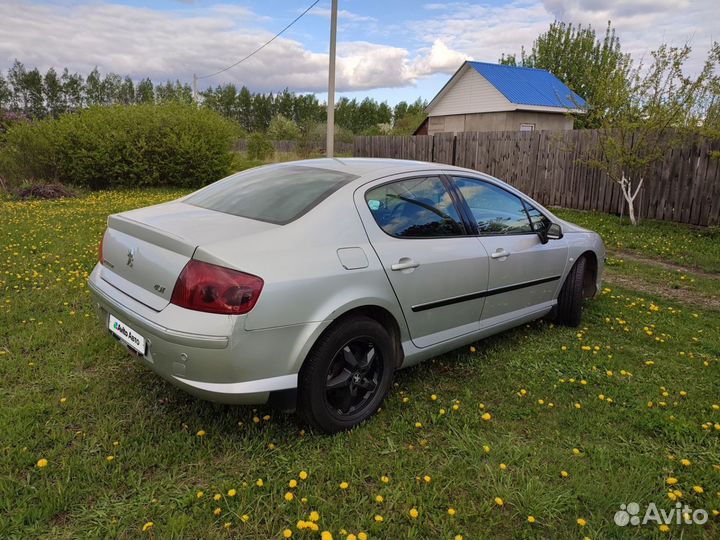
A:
<point x="100" y="250"/>
<point x="207" y="287"/>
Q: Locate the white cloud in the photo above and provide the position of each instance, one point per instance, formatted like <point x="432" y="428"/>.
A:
<point x="438" y="59"/>
<point x="144" y="42"/>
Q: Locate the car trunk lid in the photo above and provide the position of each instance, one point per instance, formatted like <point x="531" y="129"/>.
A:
<point x="145" y="250"/>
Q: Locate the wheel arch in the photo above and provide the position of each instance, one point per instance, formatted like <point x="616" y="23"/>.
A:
<point x="591" y="272"/>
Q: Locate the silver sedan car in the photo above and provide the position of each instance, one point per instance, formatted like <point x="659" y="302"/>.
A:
<point x="307" y="284"/>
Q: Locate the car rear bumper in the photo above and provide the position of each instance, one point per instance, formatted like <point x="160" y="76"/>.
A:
<point x="235" y="366"/>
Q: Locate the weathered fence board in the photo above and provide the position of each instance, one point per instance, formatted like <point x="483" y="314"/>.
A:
<point x="555" y="169"/>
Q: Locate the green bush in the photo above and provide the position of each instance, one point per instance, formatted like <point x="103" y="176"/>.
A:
<point x="259" y="147"/>
<point x="172" y="144"/>
<point x="283" y="129"/>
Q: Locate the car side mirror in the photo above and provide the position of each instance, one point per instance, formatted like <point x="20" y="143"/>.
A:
<point x="552" y="232"/>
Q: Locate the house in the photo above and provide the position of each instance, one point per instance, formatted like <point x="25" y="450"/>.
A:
<point x="492" y="97"/>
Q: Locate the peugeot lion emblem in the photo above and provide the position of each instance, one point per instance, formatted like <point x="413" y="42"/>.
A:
<point x="131" y="257"/>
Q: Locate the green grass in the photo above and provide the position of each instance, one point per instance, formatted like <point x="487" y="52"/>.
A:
<point x="72" y="396"/>
<point x="694" y="247"/>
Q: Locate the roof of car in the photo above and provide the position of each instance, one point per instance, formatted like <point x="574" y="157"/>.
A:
<point x="370" y="166"/>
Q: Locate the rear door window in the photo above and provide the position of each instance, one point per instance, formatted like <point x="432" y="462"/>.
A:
<point x="278" y="194"/>
<point x="415" y="208"/>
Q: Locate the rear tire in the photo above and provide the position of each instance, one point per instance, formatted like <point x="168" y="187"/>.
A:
<point x="346" y="376"/>
<point x="571" y="297"/>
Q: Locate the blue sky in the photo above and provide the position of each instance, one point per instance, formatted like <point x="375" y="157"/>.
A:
<point x="390" y="50"/>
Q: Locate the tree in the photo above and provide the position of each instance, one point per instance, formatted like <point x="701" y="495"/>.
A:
<point x="576" y="56"/>
<point x="73" y="89"/>
<point x="95" y="93"/>
<point x="283" y="129"/>
<point x="145" y="93"/>
<point x="657" y="111"/>
<point x="53" y="90"/>
<point x="126" y="92"/>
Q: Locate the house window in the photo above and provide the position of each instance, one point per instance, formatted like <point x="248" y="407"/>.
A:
<point x="527" y="127"/>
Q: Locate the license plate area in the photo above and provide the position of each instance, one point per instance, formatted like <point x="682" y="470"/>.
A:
<point x="127" y="335"/>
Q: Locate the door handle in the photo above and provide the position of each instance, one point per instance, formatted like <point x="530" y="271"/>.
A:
<point x="499" y="254"/>
<point x="404" y="263"/>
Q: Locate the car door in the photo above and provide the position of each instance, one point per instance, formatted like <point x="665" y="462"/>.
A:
<point x="437" y="268"/>
<point x="524" y="273"/>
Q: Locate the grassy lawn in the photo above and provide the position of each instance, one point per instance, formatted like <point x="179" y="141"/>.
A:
<point x="693" y="247"/>
<point x="617" y="404"/>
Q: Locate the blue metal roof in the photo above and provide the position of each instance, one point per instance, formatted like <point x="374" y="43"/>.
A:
<point x="528" y="86"/>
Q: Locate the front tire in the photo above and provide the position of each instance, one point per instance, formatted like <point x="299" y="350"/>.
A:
<point x="571" y="297"/>
<point x="347" y="375"/>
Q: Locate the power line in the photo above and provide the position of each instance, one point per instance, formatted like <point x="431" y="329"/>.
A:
<point x="263" y="45"/>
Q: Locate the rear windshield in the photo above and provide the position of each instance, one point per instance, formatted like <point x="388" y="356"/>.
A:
<point x="278" y="194"/>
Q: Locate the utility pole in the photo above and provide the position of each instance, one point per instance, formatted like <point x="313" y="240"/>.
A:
<point x="194" y="89"/>
<point x="331" y="83"/>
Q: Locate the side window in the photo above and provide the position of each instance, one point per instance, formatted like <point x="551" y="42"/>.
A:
<point x="539" y="221"/>
<point x="495" y="210"/>
<point x="414" y="208"/>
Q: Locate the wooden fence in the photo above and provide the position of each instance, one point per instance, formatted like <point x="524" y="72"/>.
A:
<point x="552" y="167"/>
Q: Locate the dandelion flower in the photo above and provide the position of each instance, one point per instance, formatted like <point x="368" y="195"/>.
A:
<point x="378" y="518"/>
<point x="486" y="449"/>
<point x="576" y="451"/>
<point x="664" y="528"/>
<point x="451" y="512"/>
<point x="379" y="498"/>
<point x="232" y="492"/>
<point x="344" y="485"/>
<point x="427" y="478"/>
<point x="414" y="513"/>
<point x="433" y="397"/>
<point x="200" y="494"/>
<point x="314" y="516"/>
<point x="581" y="522"/>
<point x="259" y="482"/>
<point x="245" y="518"/>
<point x="531" y="519"/>
<point x="303" y="475"/>
<point x="289" y="496"/>
<point x="385" y="479"/>
<point x="217" y="497"/>
<point x="698" y="489"/>
<point x="109" y="458"/>
<point x="487" y="417"/>
<point x="326" y="535"/>
<point x="362" y="535"/>
<point x="287" y="533"/>
<point x="671" y="481"/>
<point x="217" y="511"/>
<point x="564" y="474"/>
<point x="499" y="501"/>
<point x="503" y="467"/>
<point x="149" y="525"/>
<point x="418" y="425"/>
<point x="201" y="433"/>
<point x="292" y="483"/>
<point x="686" y="462"/>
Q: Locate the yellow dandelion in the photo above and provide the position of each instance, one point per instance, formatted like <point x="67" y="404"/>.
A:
<point x="201" y="433"/>
<point x="451" y="511"/>
<point x="245" y="518"/>
<point x="303" y="475"/>
<point x="42" y="463"/>
<point x="314" y="516"/>
<point x="326" y="535"/>
<point x="499" y="501"/>
<point x="486" y="416"/>
<point x="698" y="489"/>
<point x="385" y="479"/>
<point x="664" y="528"/>
<point x="217" y="511"/>
<point x="217" y="497"/>
<point x="109" y="458"/>
<point x="503" y="467"/>
<point x="362" y="535"/>
<point x="564" y="474"/>
<point x="531" y="519"/>
<point x="671" y="481"/>
<point x="289" y="496"/>
<point x="149" y="525"/>
<point x="259" y="482"/>
<point x="344" y="485"/>
<point x="232" y="492"/>
<point x="200" y="494"/>
<point x="581" y="522"/>
<point x="287" y="533"/>
<point x="379" y="498"/>
<point x="414" y="513"/>
<point x="427" y="478"/>
<point x="292" y="483"/>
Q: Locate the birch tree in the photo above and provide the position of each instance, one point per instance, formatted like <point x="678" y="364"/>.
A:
<point x="651" y="115"/>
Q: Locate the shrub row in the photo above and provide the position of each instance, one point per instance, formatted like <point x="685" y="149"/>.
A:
<point x="171" y="144"/>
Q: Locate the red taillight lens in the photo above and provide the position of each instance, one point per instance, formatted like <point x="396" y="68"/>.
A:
<point x="206" y="287"/>
<point x="100" y="250"/>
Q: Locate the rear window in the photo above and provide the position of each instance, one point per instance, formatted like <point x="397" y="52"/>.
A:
<point x="277" y="194"/>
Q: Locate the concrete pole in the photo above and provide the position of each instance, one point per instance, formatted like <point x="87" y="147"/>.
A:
<point x="331" y="83"/>
<point x="194" y="88"/>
